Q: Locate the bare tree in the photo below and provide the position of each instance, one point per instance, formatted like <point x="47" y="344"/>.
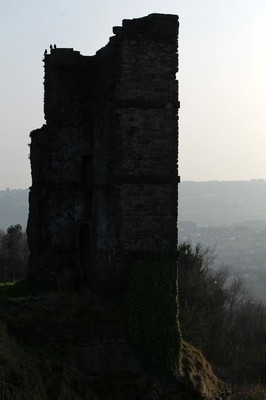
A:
<point x="13" y="254"/>
<point x="218" y="314"/>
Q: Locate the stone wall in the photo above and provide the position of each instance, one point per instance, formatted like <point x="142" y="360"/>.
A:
<point x="104" y="167"/>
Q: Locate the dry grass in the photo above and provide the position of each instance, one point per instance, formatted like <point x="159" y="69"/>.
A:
<point x="256" y="392"/>
<point x="198" y="374"/>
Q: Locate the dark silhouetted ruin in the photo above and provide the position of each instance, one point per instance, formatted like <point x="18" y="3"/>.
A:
<point x="104" y="166"/>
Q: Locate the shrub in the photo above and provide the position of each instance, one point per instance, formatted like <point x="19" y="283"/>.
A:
<point x="13" y="254"/>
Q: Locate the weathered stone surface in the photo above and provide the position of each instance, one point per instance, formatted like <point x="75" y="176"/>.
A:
<point x="104" y="167"/>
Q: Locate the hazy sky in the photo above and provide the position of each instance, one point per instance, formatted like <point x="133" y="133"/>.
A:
<point x="222" y="77"/>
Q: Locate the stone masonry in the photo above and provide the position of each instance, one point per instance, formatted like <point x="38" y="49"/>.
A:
<point x="104" y="166"/>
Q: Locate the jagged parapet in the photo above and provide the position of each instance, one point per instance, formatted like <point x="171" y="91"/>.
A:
<point x="104" y="167"/>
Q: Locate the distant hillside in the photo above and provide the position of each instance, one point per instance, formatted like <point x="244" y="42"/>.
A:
<point x="217" y="203"/>
<point x="13" y="207"/>
<point x="212" y="203"/>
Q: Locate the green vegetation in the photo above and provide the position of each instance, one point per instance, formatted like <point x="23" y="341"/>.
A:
<point x="39" y="332"/>
<point x="38" y="338"/>
<point x="153" y="314"/>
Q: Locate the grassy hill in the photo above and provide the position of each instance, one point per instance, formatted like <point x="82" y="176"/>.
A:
<point x="68" y="346"/>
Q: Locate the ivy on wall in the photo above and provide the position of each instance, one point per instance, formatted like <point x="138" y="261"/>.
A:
<point x="153" y="314"/>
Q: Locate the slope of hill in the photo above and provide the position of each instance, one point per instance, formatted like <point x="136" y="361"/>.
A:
<point x="76" y="346"/>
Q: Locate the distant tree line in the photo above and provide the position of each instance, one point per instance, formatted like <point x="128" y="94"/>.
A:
<point x="13" y="254"/>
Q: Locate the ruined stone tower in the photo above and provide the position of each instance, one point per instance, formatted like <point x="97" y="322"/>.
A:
<point x="104" y="166"/>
